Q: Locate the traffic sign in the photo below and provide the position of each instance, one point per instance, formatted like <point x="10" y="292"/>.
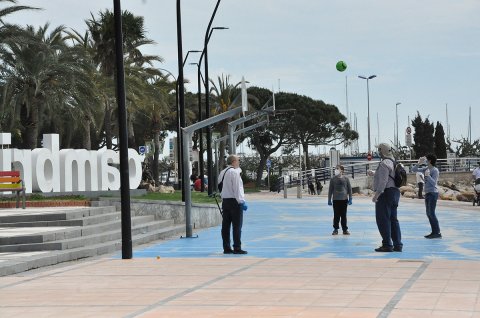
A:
<point x="369" y="157"/>
<point x="409" y="130"/>
<point x="269" y="163"/>
<point x="142" y="150"/>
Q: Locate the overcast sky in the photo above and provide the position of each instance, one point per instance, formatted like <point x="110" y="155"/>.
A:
<point x="425" y="53"/>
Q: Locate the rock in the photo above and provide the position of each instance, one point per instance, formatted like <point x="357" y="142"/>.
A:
<point x="448" y="196"/>
<point x="145" y="185"/>
<point x="461" y="197"/>
<point x="469" y="196"/>
<point x="409" y="194"/>
<point x="407" y="188"/>
<point x="165" y="189"/>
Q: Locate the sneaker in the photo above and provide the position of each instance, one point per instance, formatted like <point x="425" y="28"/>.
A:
<point x="384" y="249"/>
<point x="239" y="251"/>
<point x="397" y="248"/>
<point x="335" y="232"/>
<point x="346" y="232"/>
<point x="229" y="251"/>
<point x="433" y="236"/>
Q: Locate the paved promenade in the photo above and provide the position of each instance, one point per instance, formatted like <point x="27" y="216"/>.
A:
<point x="295" y="268"/>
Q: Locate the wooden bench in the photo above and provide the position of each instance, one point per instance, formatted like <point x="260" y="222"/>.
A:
<point x="10" y="182"/>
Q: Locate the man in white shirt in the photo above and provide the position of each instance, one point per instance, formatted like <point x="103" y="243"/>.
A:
<point x="233" y="205"/>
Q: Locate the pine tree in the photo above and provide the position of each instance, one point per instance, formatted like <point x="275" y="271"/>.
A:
<point x="423" y="136"/>
<point x="440" y="144"/>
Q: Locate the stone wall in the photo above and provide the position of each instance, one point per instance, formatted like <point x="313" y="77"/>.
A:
<point x="203" y="215"/>
<point x="454" y="177"/>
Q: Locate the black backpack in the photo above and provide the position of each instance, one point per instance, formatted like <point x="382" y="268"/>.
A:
<point x="220" y="184"/>
<point x="400" y="176"/>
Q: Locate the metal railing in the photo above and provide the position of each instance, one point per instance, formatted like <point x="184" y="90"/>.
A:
<point x="359" y="170"/>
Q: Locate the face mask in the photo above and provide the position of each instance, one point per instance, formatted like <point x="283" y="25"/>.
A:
<point x="337" y="172"/>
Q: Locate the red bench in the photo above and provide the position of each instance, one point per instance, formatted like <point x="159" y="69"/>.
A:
<point x="10" y="182"/>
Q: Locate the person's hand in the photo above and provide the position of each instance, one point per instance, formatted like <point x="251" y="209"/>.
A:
<point x="376" y="196"/>
<point x="350" y="201"/>
<point x="329" y="202"/>
<point x="244" y="206"/>
<point x="427" y="173"/>
<point x="371" y="173"/>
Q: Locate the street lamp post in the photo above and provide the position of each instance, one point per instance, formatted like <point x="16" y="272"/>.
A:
<point x="207" y="100"/>
<point x="126" y="223"/>
<point x="179" y="132"/>
<point x="200" y="131"/>
<point x="368" y="108"/>
<point x="397" y="144"/>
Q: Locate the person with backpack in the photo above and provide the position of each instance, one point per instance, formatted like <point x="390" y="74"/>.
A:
<point x="341" y="192"/>
<point x="386" y="198"/>
<point x="431" y="174"/>
<point x="230" y="185"/>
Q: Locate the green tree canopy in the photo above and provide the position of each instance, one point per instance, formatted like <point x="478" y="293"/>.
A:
<point x="440" y="144"/>
<point x="423" y="136"/>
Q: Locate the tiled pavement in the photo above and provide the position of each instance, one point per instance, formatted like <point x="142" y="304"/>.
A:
<point x="294" y="268"/>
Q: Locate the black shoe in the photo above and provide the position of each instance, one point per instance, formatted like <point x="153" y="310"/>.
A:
<point x="239" y="252"/>
<point x="433" y="236"/>
<point x="229" y="251"/>
<point x="346" y="232"/>
<point x="397" y="248"/>
<point x="384" y="249"/>
<point x="335" y="232"/>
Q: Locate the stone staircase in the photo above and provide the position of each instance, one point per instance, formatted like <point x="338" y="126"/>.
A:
<point x="40" y="238"/>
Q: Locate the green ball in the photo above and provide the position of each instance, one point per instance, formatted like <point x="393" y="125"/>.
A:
<point x="341" y="66"/>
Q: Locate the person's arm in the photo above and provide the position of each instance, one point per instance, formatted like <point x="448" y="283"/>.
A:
<point x="432" y="178"/>
<point x="381" y="176"/>
<point x="349" y="189"/>
<point x="238" y="187"/>
<point x="330" y="190"/>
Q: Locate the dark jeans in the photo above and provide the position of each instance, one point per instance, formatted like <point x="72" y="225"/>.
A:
<point x="430" y="205"/>
<point x="232" y="217"/>
<point x="420" y="190"/>
<point x="386" y="216"/>
<point x="340" y="213"/>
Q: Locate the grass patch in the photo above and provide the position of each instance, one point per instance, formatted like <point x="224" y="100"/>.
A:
<point x="197" y="197"/>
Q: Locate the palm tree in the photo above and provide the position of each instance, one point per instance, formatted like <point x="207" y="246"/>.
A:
<point x="12" y="32"/>
<point x="40" y="76"/>
<point x="224" y="94"/>
<point x="102" y="32"/>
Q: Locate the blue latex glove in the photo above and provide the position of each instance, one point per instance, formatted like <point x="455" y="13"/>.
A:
<point x="330" y="202"/>
<point x="350" y="201"/>
<point x="244" y="206"/>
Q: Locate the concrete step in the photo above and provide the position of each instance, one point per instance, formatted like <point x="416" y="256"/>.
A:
<point x="78" y="240"/>
<point x="32" y="261"/>
<point x="45" y="234"/>
<point x="82" y="221"/>
<point x="55" y="214"/>
<point x="99" y="203"/>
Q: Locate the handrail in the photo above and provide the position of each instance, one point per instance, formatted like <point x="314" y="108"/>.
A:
<point x="359" y="169"/>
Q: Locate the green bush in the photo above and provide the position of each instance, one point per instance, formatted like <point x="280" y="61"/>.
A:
<point x="274" y="178"/>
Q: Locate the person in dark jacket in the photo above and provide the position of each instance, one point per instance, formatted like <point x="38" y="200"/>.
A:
<point x="340" y="191"/>
<point x="386" y="198"/>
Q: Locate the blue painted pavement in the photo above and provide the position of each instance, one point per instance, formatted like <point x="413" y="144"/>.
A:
<point x="301" y="228"/>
